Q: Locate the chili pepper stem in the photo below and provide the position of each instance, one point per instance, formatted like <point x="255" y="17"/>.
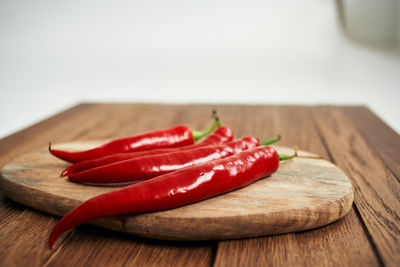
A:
<point x="271" y="140"/>
<point x="200" y="134"/>
<point x="286" y="157"/>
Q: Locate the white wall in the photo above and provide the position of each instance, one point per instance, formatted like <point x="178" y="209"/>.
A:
<point x="54" y="54"/>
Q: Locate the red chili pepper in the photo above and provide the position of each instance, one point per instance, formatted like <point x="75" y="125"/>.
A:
<point x="221" y="135"/>
<point x="146" y="167"/>
<point x="175" y="189"/>
<point x="173" y="137"/>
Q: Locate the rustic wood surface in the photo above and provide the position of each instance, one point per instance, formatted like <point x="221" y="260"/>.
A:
<point x="353" y="138"/>
<point x="305" y="193"/>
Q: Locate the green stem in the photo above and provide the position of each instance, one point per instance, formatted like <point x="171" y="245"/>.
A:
<point x="286" y="157"/>
<point x="200" y="134"/>
<point x="270" y="141"/>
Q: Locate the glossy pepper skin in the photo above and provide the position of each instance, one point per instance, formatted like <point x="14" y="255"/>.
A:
<point x="221" y="135"/>
<point x="175" y="189"/>
<point x="176" y="136"/>
<point x="146" y="167"/>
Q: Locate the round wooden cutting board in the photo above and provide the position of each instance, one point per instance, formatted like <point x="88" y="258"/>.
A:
<point x="305" y="193"/>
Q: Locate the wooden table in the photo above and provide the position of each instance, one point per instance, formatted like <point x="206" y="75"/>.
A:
<point x="353" y="138"/>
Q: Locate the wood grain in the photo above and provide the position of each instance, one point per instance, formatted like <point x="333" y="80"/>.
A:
<point x="376" y="190"/>
<point x="111" y="248"/>
<point x="22" y="236"/>
<point x="348" y="242"/>
<point x="342" y="243"/>
<point x="304" y="193"/>
<point x="383" y="140"/>
<point x="327" y="246"/>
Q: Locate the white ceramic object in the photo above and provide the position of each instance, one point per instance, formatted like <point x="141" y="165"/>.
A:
<point x="373" y="21"/>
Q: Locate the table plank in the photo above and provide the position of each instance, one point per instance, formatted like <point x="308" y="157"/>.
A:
<point x="104" y="247"/>
<point x="376" y="189"/>
<point x="327" y="246"/>
<point x="332" y="132"/>
<point x="22" y="238"/>
<point x="9" y="208"/>
<point x="382" y="139"/>
<point x="341" y="243"/>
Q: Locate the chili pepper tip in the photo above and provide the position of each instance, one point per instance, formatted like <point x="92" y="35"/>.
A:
<point x="64" y="173"/>
<point x="50" y="147"/>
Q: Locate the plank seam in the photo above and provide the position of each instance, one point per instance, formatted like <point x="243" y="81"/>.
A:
<point x="214" y="250"/>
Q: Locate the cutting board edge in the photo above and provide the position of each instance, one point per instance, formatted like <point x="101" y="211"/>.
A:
<point x="119" y="222"/>
<point x="8" y="187"/>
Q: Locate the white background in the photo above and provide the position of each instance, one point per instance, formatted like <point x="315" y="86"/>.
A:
<point x="54" y="54"/>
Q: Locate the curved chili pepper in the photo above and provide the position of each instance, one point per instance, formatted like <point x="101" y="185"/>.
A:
<point x="221" y="135"/>
<point x="173" y="137"/>
<point x="147" y="167"/>
<point x="175" y="189"/>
